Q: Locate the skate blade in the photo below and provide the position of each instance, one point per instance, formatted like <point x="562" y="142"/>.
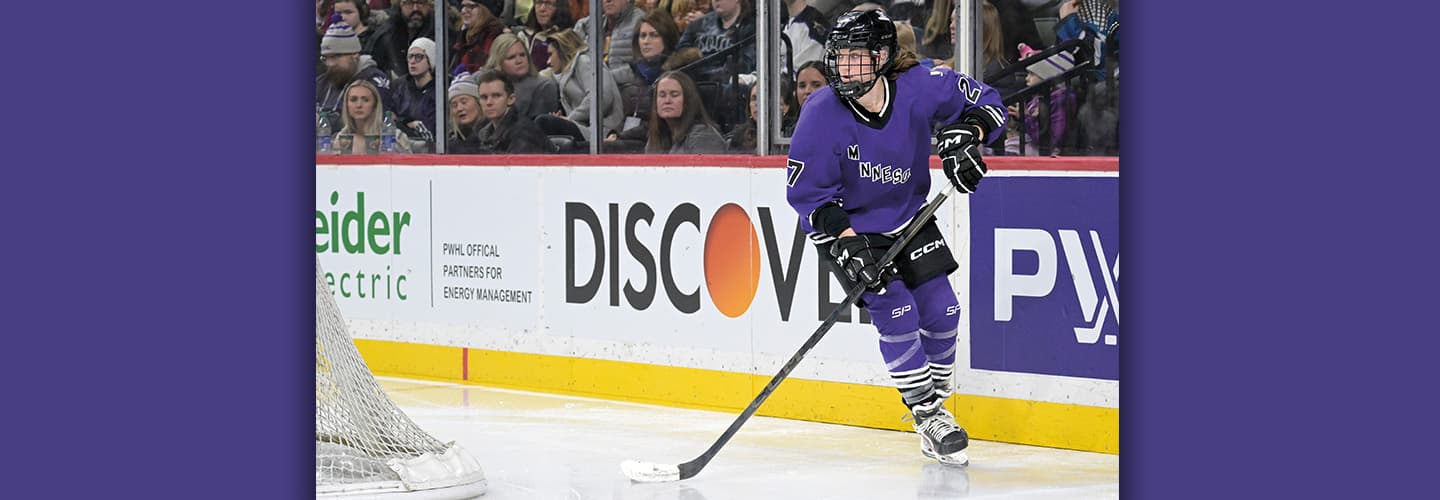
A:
<point x="647" y="472"/>
<point x="957" y="459"/>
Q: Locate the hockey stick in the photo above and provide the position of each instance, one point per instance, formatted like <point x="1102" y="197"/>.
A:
<point x="649" y="472"/>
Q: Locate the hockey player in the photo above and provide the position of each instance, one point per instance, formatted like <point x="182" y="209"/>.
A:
<point x="858" y="176"/>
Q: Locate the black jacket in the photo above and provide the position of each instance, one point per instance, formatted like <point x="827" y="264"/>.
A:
<point x="379" y="42"/>
<point x="1017" y="25"/>
<point x="514" y="134"/>
<point x="414" y="103"/>
<point x="400" y="30"/>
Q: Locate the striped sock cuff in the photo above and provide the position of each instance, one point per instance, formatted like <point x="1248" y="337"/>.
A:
<point x="915" y="386"/>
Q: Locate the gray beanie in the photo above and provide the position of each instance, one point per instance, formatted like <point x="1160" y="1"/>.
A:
<point x="428" y="46"/>
<point x="339" y="39"/>
<point x="464" y="85"/>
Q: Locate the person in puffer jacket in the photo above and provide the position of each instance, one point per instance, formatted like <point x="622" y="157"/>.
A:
<point x="617" y="31"/>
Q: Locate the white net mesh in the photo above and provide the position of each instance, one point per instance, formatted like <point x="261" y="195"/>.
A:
<point x="364" y="444"/>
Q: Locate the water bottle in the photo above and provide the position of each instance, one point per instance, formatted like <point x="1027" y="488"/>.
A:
<point x="387" y="134"/>
<point x="322" y="133"/>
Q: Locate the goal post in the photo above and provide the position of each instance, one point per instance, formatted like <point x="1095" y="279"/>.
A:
<point x="365" y="447"/>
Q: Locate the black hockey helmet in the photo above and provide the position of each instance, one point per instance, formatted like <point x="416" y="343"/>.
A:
<point x="871" y="30"/>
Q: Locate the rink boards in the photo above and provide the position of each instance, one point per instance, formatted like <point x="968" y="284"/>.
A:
<point x="690" y="284"/>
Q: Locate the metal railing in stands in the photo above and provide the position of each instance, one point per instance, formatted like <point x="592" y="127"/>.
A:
<point x="1082" y="66"/>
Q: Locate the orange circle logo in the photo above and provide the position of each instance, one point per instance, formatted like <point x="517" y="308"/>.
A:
<point x="732" y="260"/>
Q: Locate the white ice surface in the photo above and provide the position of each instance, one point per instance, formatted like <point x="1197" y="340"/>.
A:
<point x="542" y="446"/>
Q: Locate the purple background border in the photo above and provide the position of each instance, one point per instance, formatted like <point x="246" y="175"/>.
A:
<point x="1276" y="233"/>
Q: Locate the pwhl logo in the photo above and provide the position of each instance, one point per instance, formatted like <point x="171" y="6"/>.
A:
<point x="1097" y="298"/>
<point x="732" y="254"/>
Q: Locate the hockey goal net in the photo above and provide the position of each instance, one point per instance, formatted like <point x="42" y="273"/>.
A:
<point x="365" y="446"/>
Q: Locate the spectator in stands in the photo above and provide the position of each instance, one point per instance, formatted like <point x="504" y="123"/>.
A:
<point x="323" y="10"/>
<point x="744" y="138"/>
<point x="1092" y="20"/>
<point x="992" y="50"/>
<point x="637" y="80"/>
<point x="374" y="34"/>
<point x="939" y="40"/>
<point x="361" y="121"/>
<point x="465" y="116"/>
<point x="806" y="28"/>
<point x="809" y="78"/>
<point x="573" y="69"/>
<point x="731" y="23"/>
<point x="676" y="8"/>
<point x="655" y="40"/>
<point x="534" y="96"/>
<point x="506" y="130"/>
<point x="687" y="11"/>
<point x="324" y="15"/>
<point x="579" y="8"/>
<point x="1098" y="92"/>
<point x="617" y="31"/>
<point x="547" y="16"/>
<point x="1045" y="124"/>
<point x="340" y="52"/>
<point x="478" y="31"/>
<point x="679" y="123"/>
<point x="905" y="38"/>
<point x="907" y="11"/>
<point x="409" y="20"/>
<point x="1018" y="26"/>
<point x="415" y="94"/>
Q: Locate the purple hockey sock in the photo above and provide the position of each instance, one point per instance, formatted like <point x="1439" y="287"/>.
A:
<point x="900" y="343"/>
<point x="939" y="317"/>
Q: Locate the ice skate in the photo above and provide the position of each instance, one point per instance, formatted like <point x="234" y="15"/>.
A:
<point x="940" y="437"/>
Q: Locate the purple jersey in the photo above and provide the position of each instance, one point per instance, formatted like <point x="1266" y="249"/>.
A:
<point x="877" y="165"/>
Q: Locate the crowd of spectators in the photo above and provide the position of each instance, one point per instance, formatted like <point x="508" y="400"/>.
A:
<point x="677" y="76"/>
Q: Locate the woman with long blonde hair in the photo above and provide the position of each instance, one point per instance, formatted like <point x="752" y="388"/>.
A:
<point x="573" y="66"/>
<point x="362" y="115"/>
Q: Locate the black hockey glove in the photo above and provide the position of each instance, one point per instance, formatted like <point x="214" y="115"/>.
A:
<point x="959" y="147"/>
<point x="859" y="256"/>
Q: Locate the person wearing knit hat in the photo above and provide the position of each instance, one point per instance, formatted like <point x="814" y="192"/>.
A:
<point x="427" y="47"/>
<point x="340" y="52"/>
<point x="339" y="39"/>
<point x="415" y="94"/>
<point x="465" y="116"/>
